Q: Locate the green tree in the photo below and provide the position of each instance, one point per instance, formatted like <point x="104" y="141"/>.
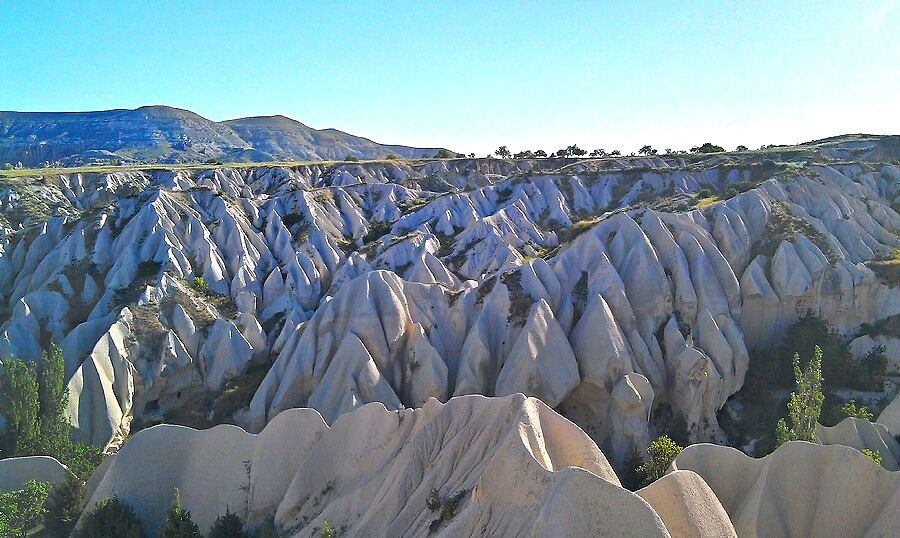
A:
<point x="227" y="525"/>
<point x="707" y="147"/>
<point x="22" y="510"/>
<point x="111" y="517"/>
<point x="806" y="402"/>
<point x="19" y="397"/>
<point x="178" y="522"/>
<point x="327" y="530"/>
<point x="54" y="398"/>
<point x="662" y="452"/>
<point x="64" y="506"/>
<point x="81" y="459"/>
<point x="503" y="152"/>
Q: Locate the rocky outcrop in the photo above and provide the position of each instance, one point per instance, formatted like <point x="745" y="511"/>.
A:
<point x="15" y="472"/>
<point x="597" y="286"/>
<point x="801" y="489"/>
<point x="687" y="506"/>
<point x="890" y="417"/>
<point x="473" y="466"/>
<point x="862" y="434"/>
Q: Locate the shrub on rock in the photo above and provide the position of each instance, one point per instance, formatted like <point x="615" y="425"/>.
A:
<point x="661" y="453"/>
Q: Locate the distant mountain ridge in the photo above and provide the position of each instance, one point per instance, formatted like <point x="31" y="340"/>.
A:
<point x="163" y="134"/>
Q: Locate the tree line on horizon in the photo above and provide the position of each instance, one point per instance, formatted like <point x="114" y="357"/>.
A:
<point x="503" y="152"/>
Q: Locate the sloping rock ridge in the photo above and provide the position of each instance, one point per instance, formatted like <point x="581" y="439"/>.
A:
<point x="801" y="489"/>
<point x="474" y="466"/>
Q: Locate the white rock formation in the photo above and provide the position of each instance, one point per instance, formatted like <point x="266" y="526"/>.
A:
<point x="15" y="472"/>
<point x="801" y="489"/>
<point x="890" y="417"/>
<point x="687" y="506"/>
<point x="473" y="466"/>
<point x="357" y="282"/>
<point x="862" y="434"/>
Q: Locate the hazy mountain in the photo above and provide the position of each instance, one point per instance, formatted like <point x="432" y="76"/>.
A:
<point x="169" y="135"/>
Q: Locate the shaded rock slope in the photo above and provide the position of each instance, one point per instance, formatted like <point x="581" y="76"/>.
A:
<point x="607" y="288"/>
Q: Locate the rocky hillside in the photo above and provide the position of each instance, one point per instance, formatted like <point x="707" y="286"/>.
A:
<point x="161" y="134"/>
<point x="624" y="293"/>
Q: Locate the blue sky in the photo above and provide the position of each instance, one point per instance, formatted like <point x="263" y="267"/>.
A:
<point x="473" y="75"/>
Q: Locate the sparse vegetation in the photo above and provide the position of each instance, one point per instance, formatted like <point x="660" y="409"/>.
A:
<point x="447" y="506"/>
<point x="887" y="267"/>
<point x="782" y="226"/>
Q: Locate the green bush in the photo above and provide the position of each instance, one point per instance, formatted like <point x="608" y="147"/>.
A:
<point x="64" y="506"/>
<point x="178" y="522"/>
<point x="351" y="158"/>
<point x="875" y="456"/>
<point x="22" y="510"/>
<point x="227" y="525"/>
<point x="111" y="517"/>
<point x="850" y="409"/>
<point x="201" y="285"/>
<point x="662" y="452"/>
<point x="806" y="403"/>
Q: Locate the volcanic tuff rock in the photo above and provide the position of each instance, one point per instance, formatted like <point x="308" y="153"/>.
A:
<point x="687" y="506"/>
<point x="801" y="489"/>
<point x="15" y="472"/>
<point x="862" y="434"/>
<point x="603" y="287"/>
<point x="473" y="466"/>
<point x="165" y="134"/>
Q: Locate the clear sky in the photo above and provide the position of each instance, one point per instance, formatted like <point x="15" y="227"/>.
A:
<point x="473" y="75"/>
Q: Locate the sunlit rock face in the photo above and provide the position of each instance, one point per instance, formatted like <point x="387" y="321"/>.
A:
<point x="606" y="288"/>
